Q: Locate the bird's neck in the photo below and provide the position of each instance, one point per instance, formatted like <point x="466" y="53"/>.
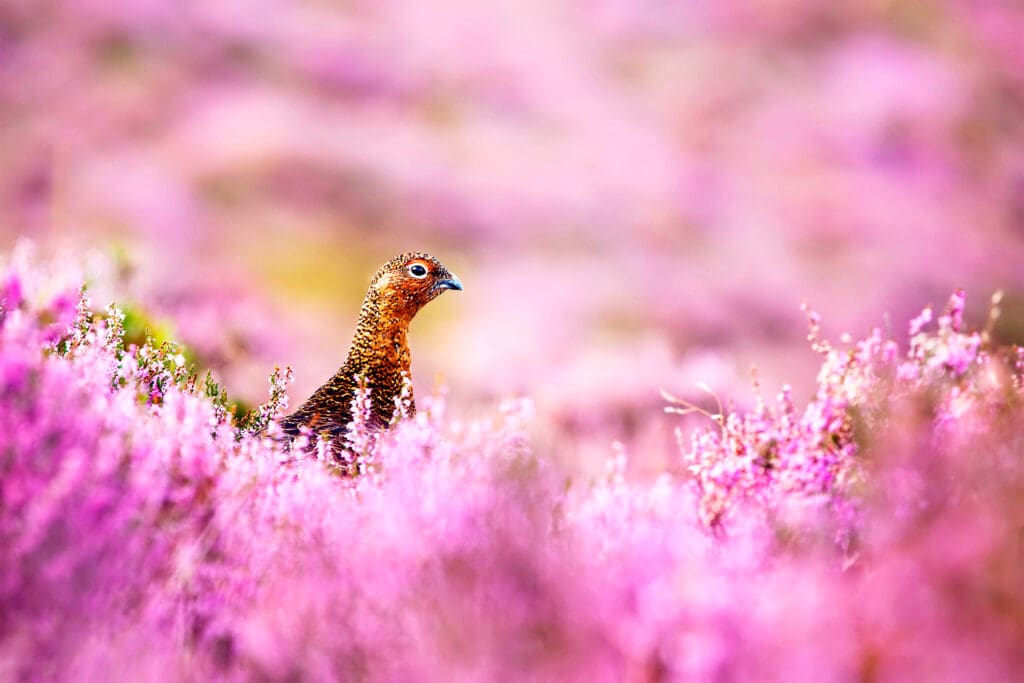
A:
<point x="380" y="348"/>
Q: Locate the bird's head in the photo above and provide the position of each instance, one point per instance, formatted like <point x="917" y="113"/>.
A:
<point x="407" y="282"/>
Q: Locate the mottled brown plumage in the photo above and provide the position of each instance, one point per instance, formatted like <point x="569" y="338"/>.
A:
<point x="380" y="349"/>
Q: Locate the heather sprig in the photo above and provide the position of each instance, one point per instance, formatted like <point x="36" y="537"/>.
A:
<point x="403" y="402"/>
<point x="264" y="417"/>
<point x="360" y="433"/>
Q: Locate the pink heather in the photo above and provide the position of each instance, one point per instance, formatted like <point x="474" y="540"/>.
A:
<point x="871" y="533"/>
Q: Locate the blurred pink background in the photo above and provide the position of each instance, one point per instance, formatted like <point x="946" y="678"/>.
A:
<point x="637" y="195"/>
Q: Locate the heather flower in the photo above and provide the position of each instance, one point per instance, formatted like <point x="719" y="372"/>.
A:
<point x="778" y="458"/>
<point x="142" y="531"/>
<point x="672" y="188"/>
<point x="950" y="350"/>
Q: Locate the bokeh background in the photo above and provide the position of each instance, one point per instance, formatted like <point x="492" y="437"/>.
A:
<point x="637" y="194"/>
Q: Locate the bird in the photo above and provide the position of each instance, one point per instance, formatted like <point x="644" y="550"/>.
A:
<point x="378" y="356"/>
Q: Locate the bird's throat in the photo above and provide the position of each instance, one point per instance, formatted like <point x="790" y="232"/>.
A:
<point x="380" y="347"/>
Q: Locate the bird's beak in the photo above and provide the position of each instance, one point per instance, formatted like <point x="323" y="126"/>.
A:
<point x="450" y="282"/>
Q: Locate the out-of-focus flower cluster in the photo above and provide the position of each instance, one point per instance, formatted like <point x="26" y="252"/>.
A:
<point x="144" y="535"/>
<point x="775" y="456"/>
<point x="684" y="169"/>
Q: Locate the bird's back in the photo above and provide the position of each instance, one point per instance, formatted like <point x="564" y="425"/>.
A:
<point x="328" y="411"/>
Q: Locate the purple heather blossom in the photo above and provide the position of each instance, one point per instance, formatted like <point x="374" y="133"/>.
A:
<point x="145" y="534"/>
<point x="243" y="149"/>
<point x="918" y="323"/>
<point x="639" y="192"/>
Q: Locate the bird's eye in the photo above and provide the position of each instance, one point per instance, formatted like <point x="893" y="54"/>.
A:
<point x="418" y="270"/>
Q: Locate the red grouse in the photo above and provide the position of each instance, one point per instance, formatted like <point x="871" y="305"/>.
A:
<point x="379" y="354"/>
